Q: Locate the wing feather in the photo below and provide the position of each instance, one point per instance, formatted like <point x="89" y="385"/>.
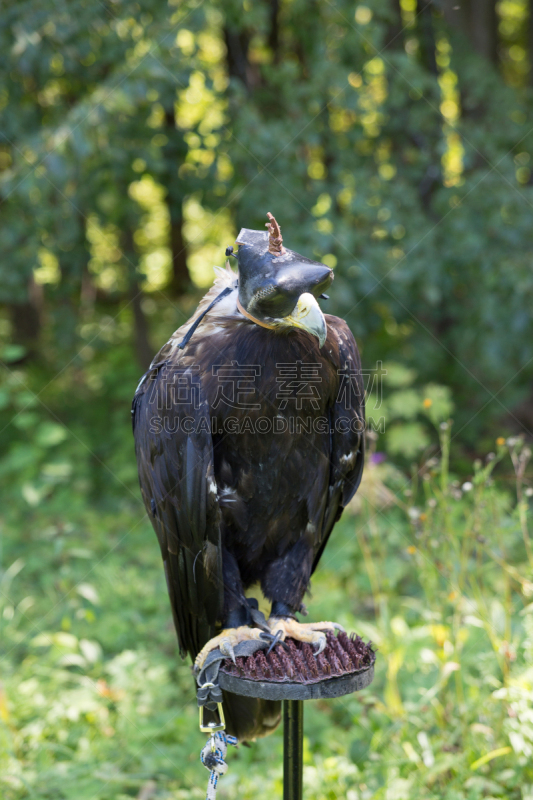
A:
<point x="347" y="420"/>
<point x="179" y="491"/>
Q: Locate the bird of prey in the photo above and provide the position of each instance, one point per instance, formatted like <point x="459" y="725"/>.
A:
<point x="249" y="438"/>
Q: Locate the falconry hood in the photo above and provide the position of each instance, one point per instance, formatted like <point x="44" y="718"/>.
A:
<point x="277" y="286"/>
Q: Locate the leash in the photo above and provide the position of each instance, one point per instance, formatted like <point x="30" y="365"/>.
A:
<point x="213" y="753"/>
<point x="212" y="757"/>
<point x="209" y="698"/>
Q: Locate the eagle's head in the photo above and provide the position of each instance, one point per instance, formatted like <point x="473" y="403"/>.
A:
<point x="278" y="288"/>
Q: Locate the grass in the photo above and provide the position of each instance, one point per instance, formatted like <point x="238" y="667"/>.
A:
<point x="95" y="703"/>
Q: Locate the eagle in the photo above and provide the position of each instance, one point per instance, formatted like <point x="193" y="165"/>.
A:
<point x="249" y="438"/>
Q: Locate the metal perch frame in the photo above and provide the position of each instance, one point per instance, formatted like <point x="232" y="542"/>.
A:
<point x="293" y="696"/>
<point x="293" y="748"/>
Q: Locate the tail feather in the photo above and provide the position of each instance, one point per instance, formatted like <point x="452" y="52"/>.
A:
<point x="247" y="718"/>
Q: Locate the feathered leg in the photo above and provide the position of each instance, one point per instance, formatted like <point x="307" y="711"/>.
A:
<point x="237" y="622"/>
<point x="284" y="583"/>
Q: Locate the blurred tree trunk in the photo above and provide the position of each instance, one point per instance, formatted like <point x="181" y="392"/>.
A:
<point x="143" y="350"/>
<point x="141" y="341"/>
<point x="180" y="271"/>
<point x="530" y="41"/>
<point x="73" y="263"/>
<point x="174" y="152"/>
<point x="273" y="35"/>
<point x="393" y="36"/>
<point x="484" y="27"/>
<point x="88" y="291"/>
<point x="432" y="178"/>
<point x="478" y="20"/>
<point x="237" y="43"/>
<point x="426" y="34"/>
<point x="26" y="319"/>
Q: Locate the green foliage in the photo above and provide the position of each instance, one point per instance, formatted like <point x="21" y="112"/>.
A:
<point x="408" y="415"/>
<point x="95" y="703"/>
<point x="138" y="139"/>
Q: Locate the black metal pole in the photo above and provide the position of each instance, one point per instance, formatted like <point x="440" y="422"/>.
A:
<point x="293" y="745"/>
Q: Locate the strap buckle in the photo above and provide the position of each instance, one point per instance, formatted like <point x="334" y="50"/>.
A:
<point x="211" y="727"/>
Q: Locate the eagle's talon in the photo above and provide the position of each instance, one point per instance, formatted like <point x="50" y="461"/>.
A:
<point x="226" y="648"/>
<point x="314" y="633"/>
<point x="321" y="644"/>
<point x="226" y="641"/>
<point x="275" y="640"/>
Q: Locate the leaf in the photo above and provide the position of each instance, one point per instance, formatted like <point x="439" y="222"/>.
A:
<point x="64" y="639"/>
<point x="407" y="439"/>
<point x="72" y="660"/>
<point x="25" y="420"/>
<point x="33" y="494"/>
<point x="91" y="650"/>
<point x="406" y="404"/>
<point x="13" y="570"/>
<point x="58" y="470"/>
<point x="396" y="374"/>
<point x="49" y="434"/>
<point x="359" y="751"/>
<point x="13" y="352"/>
<point x="500" y="751"/>
<point x="88" y="592"/>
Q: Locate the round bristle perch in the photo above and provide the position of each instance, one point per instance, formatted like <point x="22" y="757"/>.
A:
<point x="292" y="670"/>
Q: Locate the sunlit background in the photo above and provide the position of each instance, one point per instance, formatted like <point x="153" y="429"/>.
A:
<point x="392" y="140"/>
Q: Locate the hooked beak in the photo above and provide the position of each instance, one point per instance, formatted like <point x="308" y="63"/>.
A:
<point x="308" y="316"/>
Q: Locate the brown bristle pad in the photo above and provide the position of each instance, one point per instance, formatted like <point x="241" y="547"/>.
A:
<point x="296" y="662"/>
